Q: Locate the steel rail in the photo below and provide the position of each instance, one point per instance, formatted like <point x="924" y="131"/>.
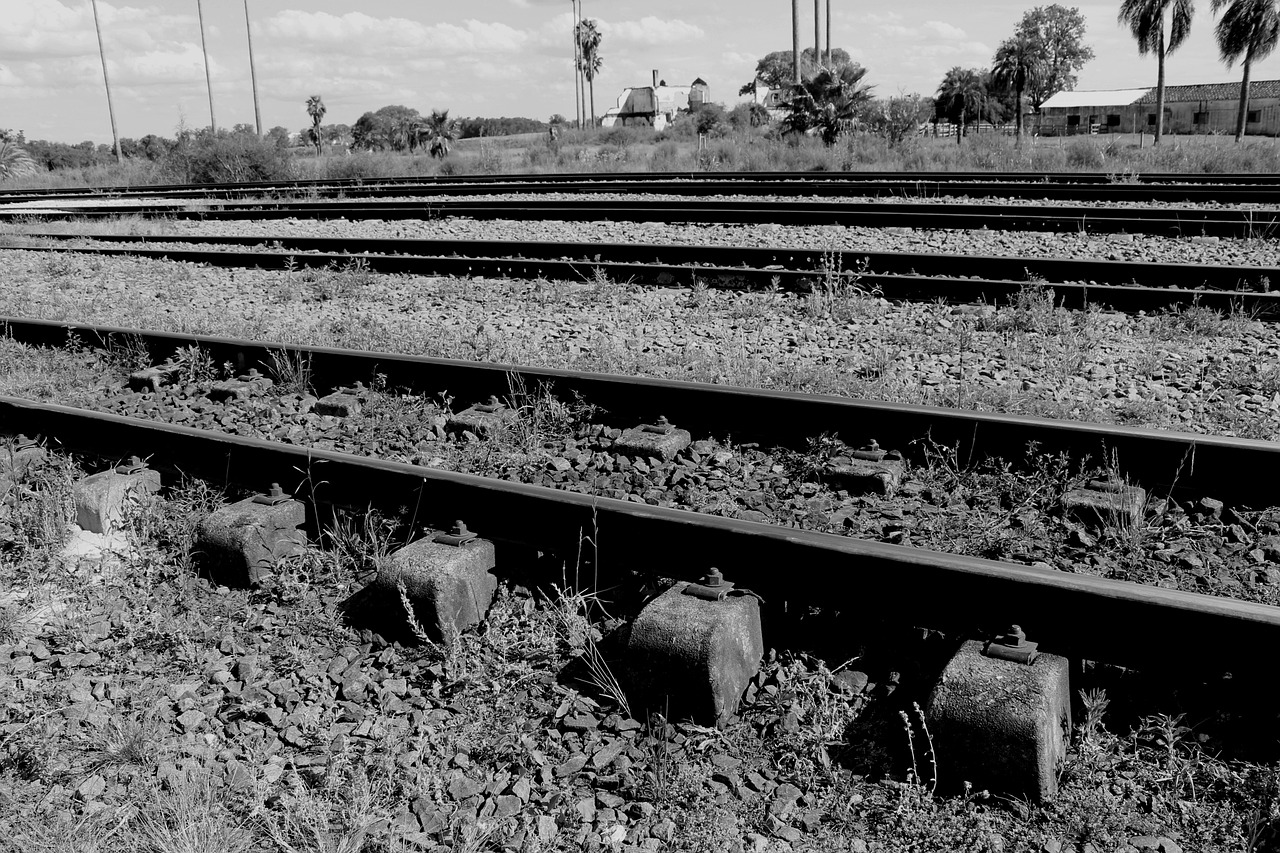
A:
<point x="911" y="287"/>
<point x="1239" y="471"/>
<point x="792" y="569"/>
<point x="798" y="186"/>
<point x="852" y="177"/>
<point x="1173" y="222"/>
<point x="999" y="267"/>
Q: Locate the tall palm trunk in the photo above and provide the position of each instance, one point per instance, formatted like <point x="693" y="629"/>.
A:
<point x="828" y="33"/>
<point x="1244" y="94"/>
<point x="111" y="110"/>
<point x="1017" y="110"/>
<point x="253" y="73"/>
<point x="817" y="32"/>
<point x="1160" y="84"/>
<point x="208" y="80"/>
<point x="577" y="66"/>
<point x="795" y="41"/>
<point x="591" y="81"/>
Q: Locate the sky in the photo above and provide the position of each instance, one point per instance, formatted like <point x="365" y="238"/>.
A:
<point x="487" y="57"/>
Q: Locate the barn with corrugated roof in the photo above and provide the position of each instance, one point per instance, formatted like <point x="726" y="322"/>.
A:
<point x="1200" y="108"/>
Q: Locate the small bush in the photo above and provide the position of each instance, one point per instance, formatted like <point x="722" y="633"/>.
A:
<point x="208" y="159"/>
<point x="624" y="137"/>
<point x="1084" y="154"/>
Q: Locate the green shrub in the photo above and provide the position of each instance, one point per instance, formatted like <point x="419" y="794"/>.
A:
<point x="209" y="158"/>
<point x="1083" y="154"/>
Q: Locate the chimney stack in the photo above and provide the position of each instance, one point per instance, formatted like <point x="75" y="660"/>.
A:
<point x="655" y="78"/>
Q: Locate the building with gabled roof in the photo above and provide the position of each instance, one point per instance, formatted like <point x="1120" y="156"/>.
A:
<point x="1198" y="108"/>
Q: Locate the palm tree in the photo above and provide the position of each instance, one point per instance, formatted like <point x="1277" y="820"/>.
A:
<point x="1250" y="28"/>
<point x="827" y="102"/>
<point x="961" y="89"/>
<point x="589" y="60"/>
<point x="442" y="131"/>
<point x="15" y="162"/>
<point x="1146" y="20"/>
<point x="1016" y="62"/>
<point x="316" y="109"/>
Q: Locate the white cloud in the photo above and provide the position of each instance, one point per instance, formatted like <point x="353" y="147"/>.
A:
<point x="941" y="29"/>
<point x="651" y="30"/>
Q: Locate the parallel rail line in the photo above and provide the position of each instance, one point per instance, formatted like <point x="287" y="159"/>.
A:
<point x="1128" y="286"/>
<point x="1145" y="626"/>
<point x="1189" y="464"/>
<point x="1173" y="222"/>
<point x="1226" y="188"/>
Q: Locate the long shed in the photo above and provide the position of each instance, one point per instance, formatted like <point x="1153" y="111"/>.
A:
<point x="1199" y="108"/>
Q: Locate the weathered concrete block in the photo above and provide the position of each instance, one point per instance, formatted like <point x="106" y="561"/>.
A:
<point x="340" y="404"/>
<point x="689" y="656"/>
<point x="101" y="497"/>
<point x="1000" y="725"/>
<point x="239" y="545"/>
<point x="450" y="586"/>
<point x="867" y="470"/>
<point x="1106" y="503"/>
<point x="482" y="419"/>
<point x="18" y="455"/>
<point x="661" y="440"/>
<point x="251" y="384"/>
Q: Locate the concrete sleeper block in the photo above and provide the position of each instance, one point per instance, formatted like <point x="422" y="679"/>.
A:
<point x="1000" y="725"/>
<point x="101" y="497"/>
<point x="239" y="545"/>
<point x="688" y="656"/>
<point x="449" y="586"/>
<point x="1106" y="506"/>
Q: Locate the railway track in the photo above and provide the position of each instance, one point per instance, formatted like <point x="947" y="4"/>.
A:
<point x="1147" y="627"/>
<point x="1221" y="189"/>
<point x="1158" y="460"/>
<point x="1173" y="222"/>
<point x="1123" y="285"/>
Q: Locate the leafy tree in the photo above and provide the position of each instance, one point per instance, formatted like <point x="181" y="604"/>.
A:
<point x="1017" y="63"/>
<point x="1058" y="34"/>
<point x="589" y="61"/>
<point x="377" y="131"/>
<point x="898" y="117"/>
<point x="280" y="136"/>
<point x="959" y="94"/>
<point x="711" y="120"/>
<point x="1146" y="20"/>
<point x="775" y="69"/>
<point x="1248" y="29"/>
<point x="748" y="114"/>
<point x="440" y="133"/>
<point x="316" y="109"/>
<point x="827" y="102"/>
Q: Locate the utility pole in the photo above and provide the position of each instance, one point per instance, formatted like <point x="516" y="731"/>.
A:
<point x="208" y="81"/>
<point x="253" y="74"/>
<point x="577" y="66"/>
<point x="795" y="41"/>
<point x="817" y="33"/>
<point x="111" y="111"/>
<point x="828" y="33"/>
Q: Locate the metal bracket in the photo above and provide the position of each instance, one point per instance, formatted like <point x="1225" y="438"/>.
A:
<point x="713" y="587"/>
<point x="1013" y="646"/>
<point x="871" y="453"/>
<point x="491" y="406"/>
<point x="1107" y="485"/>
<point x="275" y="495"/>
<point x="132" y="466"/>
<point x="457" y="537"/>
<point x="21" y="442"/>
<point x="662" y="427"/>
